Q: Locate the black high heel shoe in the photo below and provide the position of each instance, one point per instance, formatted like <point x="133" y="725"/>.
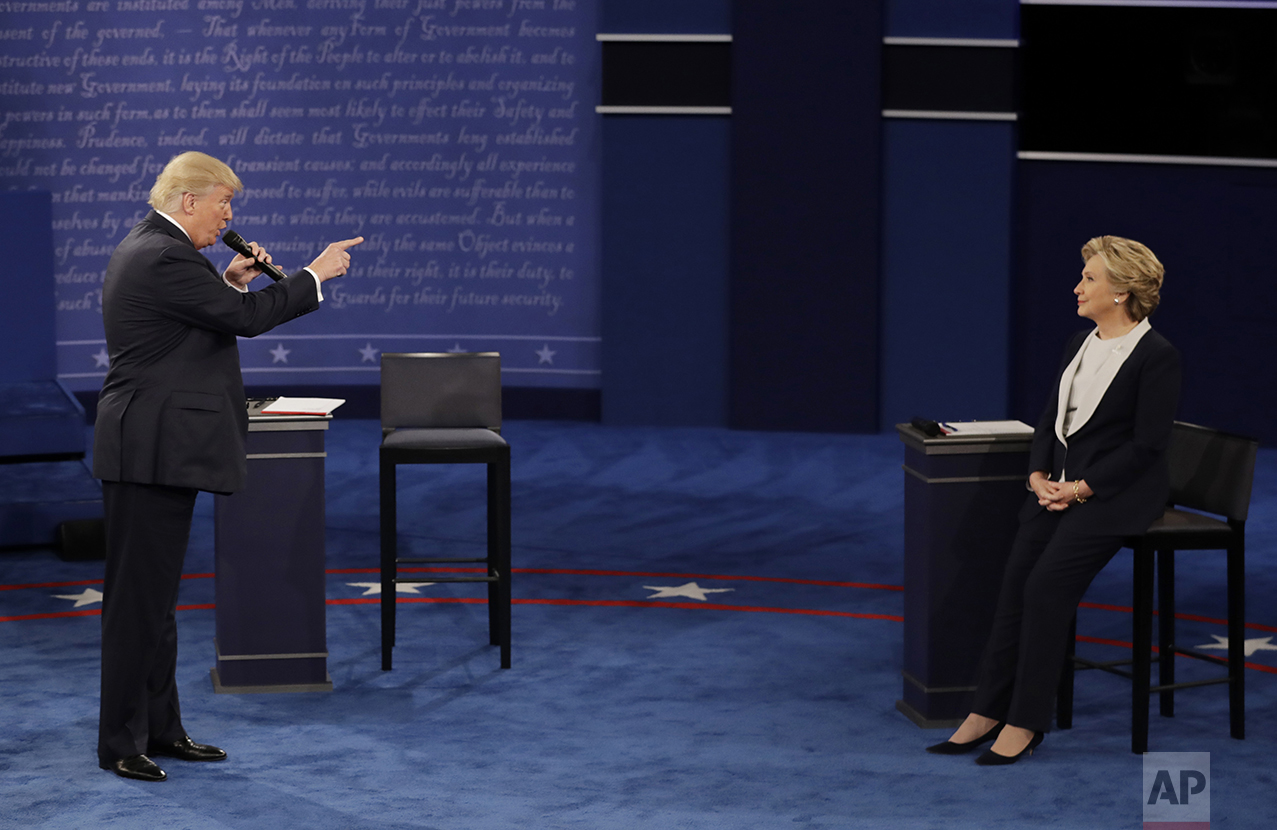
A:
<point x="950" y="748"/>
<point x="989" y="758"/>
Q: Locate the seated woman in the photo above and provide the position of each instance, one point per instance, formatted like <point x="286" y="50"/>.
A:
<point x="1098" y="474"/>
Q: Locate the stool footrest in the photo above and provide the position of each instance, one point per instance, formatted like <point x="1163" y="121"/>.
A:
<point x="1188" y="684"/>
<point x="448" y="579"/>
<point x="1197" y="655"/>
<point x="1082" y="664"/>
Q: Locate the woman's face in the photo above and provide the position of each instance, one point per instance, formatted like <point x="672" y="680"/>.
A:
<point x="1096" y="299"/>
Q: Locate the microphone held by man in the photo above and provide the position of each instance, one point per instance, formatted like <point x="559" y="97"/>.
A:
<point x="254" y="260"/>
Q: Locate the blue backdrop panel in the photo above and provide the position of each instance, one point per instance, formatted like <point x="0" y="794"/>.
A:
<point x="947" y="190"/>
<point x="665" y="246"/>
<point x="456" y="136"/>
<point x="953" y="18"/>
<point x="665" y="16"/>
<point x="1212" y="229"/>
<point x="805" y="215"/>
<point x="26" y="315"/>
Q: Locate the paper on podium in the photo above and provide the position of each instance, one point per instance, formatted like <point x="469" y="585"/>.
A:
<point x="302" y="406"/>
<point x="986" y="427"/>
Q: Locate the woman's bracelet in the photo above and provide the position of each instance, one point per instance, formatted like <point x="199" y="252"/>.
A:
<point x="1076" y="496"/>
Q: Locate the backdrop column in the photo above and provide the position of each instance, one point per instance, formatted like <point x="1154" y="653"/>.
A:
<point x="949" y="143"/>
<point x="664" y="222"/>
<point x="805" y="215"/>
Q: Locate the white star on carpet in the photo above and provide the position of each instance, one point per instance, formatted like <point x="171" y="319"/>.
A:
<point x="86" y="597"/>
<point x="101" y="360"/>
<point x="1249" y="647"/>
<point x="456" y="349"/>
<point x="546" y="355"/>
<point x="280" y="354"/>
<point x="688" y="589"/>
<point x="368" y="354"/>
<point x="374" y="588"/>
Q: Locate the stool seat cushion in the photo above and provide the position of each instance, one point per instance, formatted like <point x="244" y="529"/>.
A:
<point x="1175" y="521"/>
<point x="451" y="438"/>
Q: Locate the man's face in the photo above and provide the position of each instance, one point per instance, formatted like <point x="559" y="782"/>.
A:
<point x="207" y="215"/>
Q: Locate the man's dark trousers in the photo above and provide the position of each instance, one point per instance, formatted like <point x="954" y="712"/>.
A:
<point x="148" y="527"/>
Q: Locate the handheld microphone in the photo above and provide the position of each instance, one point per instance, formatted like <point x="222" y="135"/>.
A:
<point x="237" y="244"/>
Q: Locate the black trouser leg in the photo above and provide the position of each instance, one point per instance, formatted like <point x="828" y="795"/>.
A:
<point x="1052" y="562"/>
<point x="147" y="529"/>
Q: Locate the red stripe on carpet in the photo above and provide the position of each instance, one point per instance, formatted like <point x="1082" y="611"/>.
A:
<point x="1126" y="609"/>
<point x="627" y="603"/>
<point x="1123" y="644"/>
<point x="51" y="585"/>
<point x="92" y="612"/>
<point x="644" y="574"/>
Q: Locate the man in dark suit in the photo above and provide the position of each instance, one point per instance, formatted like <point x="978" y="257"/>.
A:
<point x="171" y="422"/>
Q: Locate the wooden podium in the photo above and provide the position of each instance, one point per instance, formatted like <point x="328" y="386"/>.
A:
<point x="962" y="497"/>
<point x="269" y="560"/>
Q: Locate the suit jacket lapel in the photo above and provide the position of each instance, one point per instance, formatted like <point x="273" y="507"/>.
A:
<point x="1103" y="378"/>
<point x="1066" y="383"/>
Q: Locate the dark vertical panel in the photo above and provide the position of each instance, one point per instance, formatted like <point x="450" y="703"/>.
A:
<point x="1212" y="229"/>
<point x="665" y="238"/>
<point x="946" y="264"/>
<point x="805" y="179"/>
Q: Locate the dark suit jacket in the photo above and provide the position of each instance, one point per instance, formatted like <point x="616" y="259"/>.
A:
<point x="1121" y="450"/>
<point x="172" y="409"/>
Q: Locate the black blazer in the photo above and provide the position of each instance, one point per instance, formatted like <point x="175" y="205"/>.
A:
<point x="171" y="410"/>
<point x="1121" y="450"/>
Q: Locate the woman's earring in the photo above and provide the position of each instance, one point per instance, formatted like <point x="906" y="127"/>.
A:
<point x="1116" y="301"/>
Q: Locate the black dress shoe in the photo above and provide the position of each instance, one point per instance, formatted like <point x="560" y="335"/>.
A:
<point x="187" y="750"/>
<point x="989" y="758"/>
<point x="138" y="767"/>
<point x="950" y="748"/>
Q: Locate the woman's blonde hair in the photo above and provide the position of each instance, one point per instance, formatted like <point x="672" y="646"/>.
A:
<point x="191" y="173"/>
<point x="1132" y="269"/>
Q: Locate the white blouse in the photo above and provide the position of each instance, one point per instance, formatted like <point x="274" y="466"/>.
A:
<point x="1088" y="375"/>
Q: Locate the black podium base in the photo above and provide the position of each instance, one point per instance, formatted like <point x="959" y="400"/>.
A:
<point x="221" y="689"/>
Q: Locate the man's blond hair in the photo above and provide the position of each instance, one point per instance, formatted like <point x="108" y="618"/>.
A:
<point x="191" y="173"/>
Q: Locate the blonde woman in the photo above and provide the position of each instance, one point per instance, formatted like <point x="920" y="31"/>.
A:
<point x="1098" y="473"/>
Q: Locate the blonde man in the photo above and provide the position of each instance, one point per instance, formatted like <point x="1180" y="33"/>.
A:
<point x="171" y="422"/>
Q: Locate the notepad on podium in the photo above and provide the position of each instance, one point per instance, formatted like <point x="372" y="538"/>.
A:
<point x="302" y="406"/>
<point x="986" y="428"/>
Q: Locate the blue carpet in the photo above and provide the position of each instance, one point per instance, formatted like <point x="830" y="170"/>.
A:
<point x="769" y="703"/>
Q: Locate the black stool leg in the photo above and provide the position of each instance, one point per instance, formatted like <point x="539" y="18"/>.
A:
<point x="389" y="553"/>
<point x="494" y="558"/>
<point x="1166" y="629"/>
<point x="1064" y="694"/>
<point x="1237" y="641"/>
<point x="1141" y="647"/>
<point x="499" y="533"/>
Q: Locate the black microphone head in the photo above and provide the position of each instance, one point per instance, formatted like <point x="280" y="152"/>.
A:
<point x="236" y="243"/>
